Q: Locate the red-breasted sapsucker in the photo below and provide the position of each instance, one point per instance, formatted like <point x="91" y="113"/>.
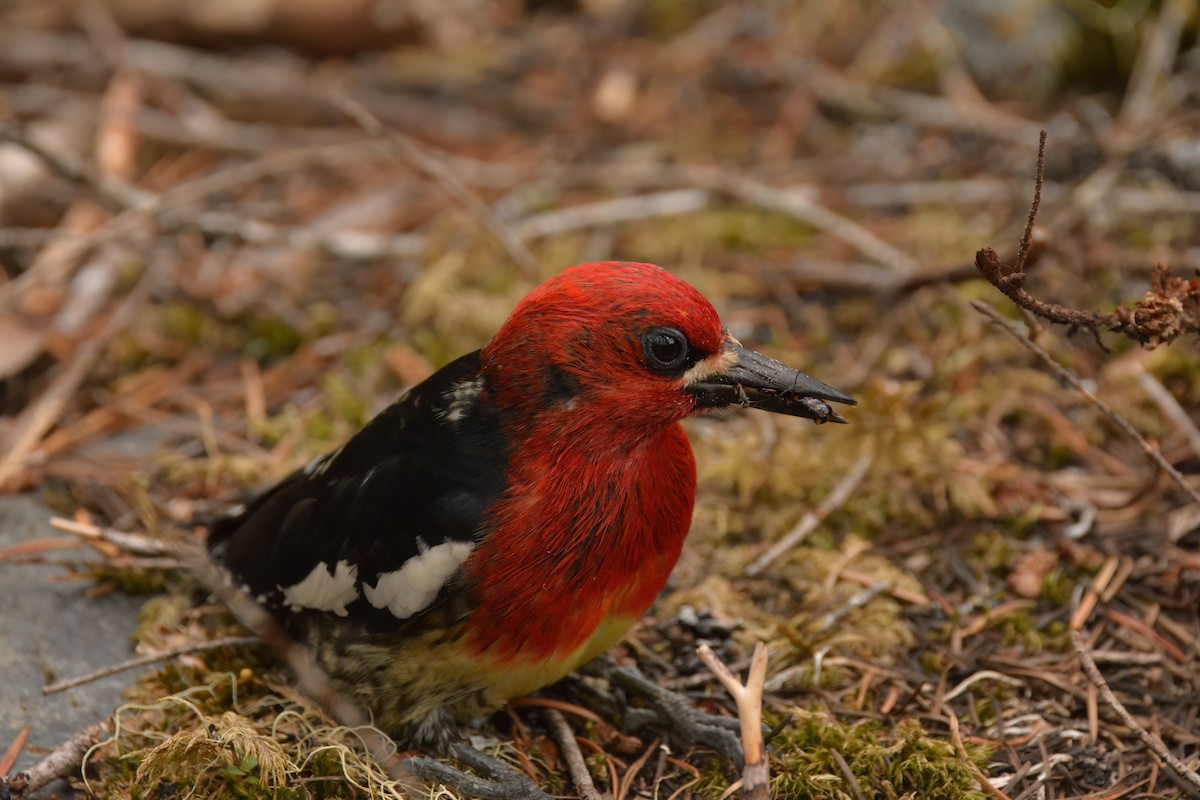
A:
<point x="509" y="518"/>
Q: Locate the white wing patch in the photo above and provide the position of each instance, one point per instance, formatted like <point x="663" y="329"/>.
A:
<point x="325" y="589"/>
<point x="414" y="586"/>
<point x="459" y="399"/>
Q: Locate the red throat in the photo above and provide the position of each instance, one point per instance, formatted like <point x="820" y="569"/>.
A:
<point x="562" y="559"/>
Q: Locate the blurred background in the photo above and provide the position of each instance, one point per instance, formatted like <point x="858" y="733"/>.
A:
<point x="252" y="224"/>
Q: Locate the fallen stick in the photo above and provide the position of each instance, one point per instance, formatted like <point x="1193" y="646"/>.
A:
<point x="144" y="661"/>
<point x="756" y="776"/>
<point x="63" y="760"/>
<point x="1156" y="745"/>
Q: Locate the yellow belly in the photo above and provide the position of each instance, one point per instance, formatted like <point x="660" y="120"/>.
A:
<point x="415" y="687"/>
<point x="508" y="682"/>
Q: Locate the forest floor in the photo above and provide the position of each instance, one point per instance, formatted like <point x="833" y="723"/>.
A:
<point x="224" y="249"/>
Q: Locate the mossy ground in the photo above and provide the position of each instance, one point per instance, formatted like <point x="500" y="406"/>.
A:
<point x="995" y="501"/>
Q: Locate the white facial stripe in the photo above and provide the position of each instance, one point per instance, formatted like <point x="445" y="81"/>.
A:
<point x="717" y="364"/>
<point x="415" y="585"/>
<point x="324" y="590"/>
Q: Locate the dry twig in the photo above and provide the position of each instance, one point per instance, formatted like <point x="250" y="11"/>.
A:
<point x="1144" y="97"/>
<point x="956" y="735"/>
<point x="812" y="519"/>
<point x="1167" y="403"/>
<point x="44" y="413"/>
<point x="408" y="151"/>
<point x="132" y="543"/>
<point x="1153" y="742"/>
<point x="62" y="761"/>
<point x="570" y="752"/>
<point x="1170" y="309"/>
<point x="671" y="202"/>
<point x="145" y="661"/>
<point x="756" y="777"/>
<point x="1070" y="378"/>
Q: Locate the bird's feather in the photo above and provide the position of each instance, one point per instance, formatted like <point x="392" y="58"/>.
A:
<point x="375" y="530"/>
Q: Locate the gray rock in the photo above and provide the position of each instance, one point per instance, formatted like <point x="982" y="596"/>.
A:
<point x="50" y="631"/>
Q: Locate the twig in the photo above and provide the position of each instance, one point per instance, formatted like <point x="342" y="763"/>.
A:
<point x="956" y="735"/>
<point x="570" y="751"/>
<point x="915" y="598"/>
<point x="20" y="551"/>
<point x="44" y="412"/>
<point x="671" y="202"/>
<point x="756" y="777"/>
<point x="632" y="772"/>
<point x="806" y="210"/>
<point x="1039" y="180"/>
<point x="9" y="759"/>
<point x="1072" y="380"/>
<point x="115" y="193"/>
<point x="1158" y="49"/>
<point x="142" y="661"/>
<point x="408" y="151"/>
<point x="62" y="761"/>
<point x="921" y="110"/>
<point x="1156" y="745"/>
<point x="350" y="245"/>
<point x="848" y="774"/>
<point x="1093" y="593"/>
<point x="561" y="706"/>
<point x="858" y="600"/>
<point x="1170" y="309"/>
<point x="812" y="519"/>
<point x="133" y="543"/>
<point x="1167" y="403"/>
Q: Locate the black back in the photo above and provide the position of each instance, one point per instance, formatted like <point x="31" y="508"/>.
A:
<point x="422" y="473"/>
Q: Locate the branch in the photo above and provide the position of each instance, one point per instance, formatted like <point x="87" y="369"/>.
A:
<point x="570" y="752"/>
<point x="756" y="777"/>
<point x="145" y="661"/>
<point x="1071" y="379"/>
<point x="411" y="153"/>
<point x="63" y="760"/>
<point x="1170" y="309"/>
<point x="812" y="519"/>
<point x="1156" y="745"/>
<point x="40" y="416"/>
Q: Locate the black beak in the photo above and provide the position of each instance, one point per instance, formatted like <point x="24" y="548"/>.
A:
<point x="756" y="381"/>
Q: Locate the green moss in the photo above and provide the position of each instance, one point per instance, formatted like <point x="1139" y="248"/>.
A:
<point x="903" y="762"/>
<point x="344" y="401"/>
<point x="1179" y="370"/>
<point x="269" y="338"/>
<point x="1057" y="588"/>
<point x="717" y="232"/>
<point x="1021" y="630"/>
<point x="993" y="550"/>
<point x="663" y="19"/>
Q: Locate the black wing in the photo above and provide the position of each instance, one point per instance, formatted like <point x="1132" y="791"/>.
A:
<point x="335" y="537"/>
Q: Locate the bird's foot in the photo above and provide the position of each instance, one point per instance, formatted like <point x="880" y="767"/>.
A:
<point x="676" y="713"/>
<point x="495" y="780"/>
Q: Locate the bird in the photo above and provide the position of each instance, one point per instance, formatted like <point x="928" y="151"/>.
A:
<point x="512" y="516"/>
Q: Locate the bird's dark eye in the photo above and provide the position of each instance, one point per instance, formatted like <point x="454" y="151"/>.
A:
<point x="666" y="349"/>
